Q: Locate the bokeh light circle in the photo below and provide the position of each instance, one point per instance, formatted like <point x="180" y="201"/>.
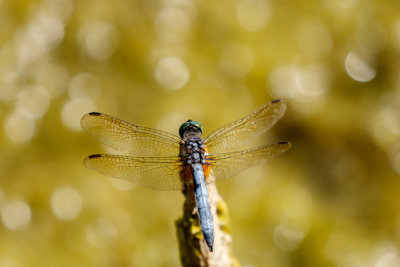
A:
<point x="358" y="68"/>
<point x="101" y="233"/>
<point x="33" y="101"/>
<point x="172" y="73"/>
<point x="98" y="40"/>
<point x="73" y="111"/>
<point x="84" y="85"/>
<point x="66" y="203"/>
<point x="172" y="24"/>
<point x="15" y="215"/>
<point x="253" y="15"/>
<point x="287" y="238"/>
<point x="19" y="127"/>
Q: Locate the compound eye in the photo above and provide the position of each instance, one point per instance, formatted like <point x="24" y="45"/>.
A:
<point x="187" y="124"/>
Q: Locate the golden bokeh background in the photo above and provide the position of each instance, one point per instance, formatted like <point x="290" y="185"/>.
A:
<point x="332" y="200"/>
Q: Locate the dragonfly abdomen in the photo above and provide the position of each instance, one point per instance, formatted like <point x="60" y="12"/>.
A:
<point x="203" y="205"/>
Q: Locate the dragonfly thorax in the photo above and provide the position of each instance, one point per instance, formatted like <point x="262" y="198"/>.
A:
<point x="192" y="147"/>
<point x="192" y="150"/>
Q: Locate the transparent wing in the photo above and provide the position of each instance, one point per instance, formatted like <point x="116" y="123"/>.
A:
<point x="225" y="165"/>
<point x="129" y="138"/>
<point x="159" y="173"/>
<point x="236" y="135"/>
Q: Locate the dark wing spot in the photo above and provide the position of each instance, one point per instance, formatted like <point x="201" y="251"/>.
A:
<point x="276" y="101"/>
<point x="95" y="113"/>
<point x="283" y="143"/>
<point x="94" y="156"/>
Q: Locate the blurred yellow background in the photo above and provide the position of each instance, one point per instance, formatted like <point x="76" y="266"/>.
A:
<point x="332" y="200"/>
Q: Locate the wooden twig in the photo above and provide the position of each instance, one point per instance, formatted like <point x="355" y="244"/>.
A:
<point x="192" y="246"/>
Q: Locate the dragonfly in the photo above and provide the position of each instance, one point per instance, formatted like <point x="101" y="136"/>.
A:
<point x="163" y="161"/>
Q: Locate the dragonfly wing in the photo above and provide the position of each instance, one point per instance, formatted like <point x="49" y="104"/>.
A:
<point x="225" y="165"/>
<point x="129" y="138"/>
<point x="236" y="135"/>
<point x="159" y="173"/>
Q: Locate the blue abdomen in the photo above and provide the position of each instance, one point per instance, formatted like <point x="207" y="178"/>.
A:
<point x="203" y="204"/>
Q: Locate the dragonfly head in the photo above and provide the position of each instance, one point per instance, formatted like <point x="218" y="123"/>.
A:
<point x="191" y="127"/>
